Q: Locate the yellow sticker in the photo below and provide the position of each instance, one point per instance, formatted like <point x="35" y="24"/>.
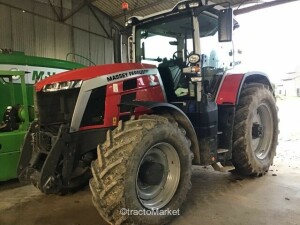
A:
<point x="114" y="121"/>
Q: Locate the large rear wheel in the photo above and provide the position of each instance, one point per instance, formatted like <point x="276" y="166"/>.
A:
<point x="255" y="131"/>
<point x="144" y="164"/>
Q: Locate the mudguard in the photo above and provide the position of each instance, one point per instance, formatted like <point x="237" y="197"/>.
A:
<point x="232" y="84"/>
<point x="228" y="97"/>
<point x="179" y="116"/>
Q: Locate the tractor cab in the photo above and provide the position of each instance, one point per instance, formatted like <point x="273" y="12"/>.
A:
<point x="191" y="47"/>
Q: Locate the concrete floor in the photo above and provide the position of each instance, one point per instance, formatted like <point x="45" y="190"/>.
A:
<point x="216" y="198"/>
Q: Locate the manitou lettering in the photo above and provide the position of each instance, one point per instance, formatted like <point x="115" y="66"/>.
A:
<point x="125" y="75"/>
<point x="40" y="75"/>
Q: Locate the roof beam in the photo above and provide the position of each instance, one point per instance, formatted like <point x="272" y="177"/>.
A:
<point x="51" y="19"/>
<point x="99" y="21"/>
<point x="261" y="6"/>
<point x="80" y="6"/>
<point x="114" y="23"/>
<point x="54" y="11"/>
<point x="61" y="10"/>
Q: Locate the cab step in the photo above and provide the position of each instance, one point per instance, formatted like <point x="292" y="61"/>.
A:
<point x="218" y="167"/>
<point x="222" y="150"/>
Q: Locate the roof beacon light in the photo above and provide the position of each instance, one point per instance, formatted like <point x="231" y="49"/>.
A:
<point x="181" y="7"/>
<point x="125" y="6"/>
<point x="194" y="4"/>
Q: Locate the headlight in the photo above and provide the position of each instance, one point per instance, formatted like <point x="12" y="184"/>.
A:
<point x="65" y="85"/>
<point x="194" y="58"/>
<point x="181" y="6"/>
<point x="128" y="22"/>
<point x="194" y="4"/>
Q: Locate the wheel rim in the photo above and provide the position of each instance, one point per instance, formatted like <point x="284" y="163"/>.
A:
<point x="158" y="176"/>
<point x="262" y="131"/>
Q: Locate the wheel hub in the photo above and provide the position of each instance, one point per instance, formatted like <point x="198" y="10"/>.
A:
<point x="151" y="173"/>
<point x="262" y="130"/>
<point x="158" y="176"/>
<point x="257" y="130"/>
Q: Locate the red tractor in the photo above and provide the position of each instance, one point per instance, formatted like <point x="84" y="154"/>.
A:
<point x="178" y="103"/>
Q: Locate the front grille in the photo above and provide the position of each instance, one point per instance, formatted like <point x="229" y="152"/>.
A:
<point x="94" y="111"/>
<point x="56" y="107"/>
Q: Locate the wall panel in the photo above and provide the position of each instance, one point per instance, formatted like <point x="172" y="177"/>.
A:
<point x="97" y="49"/>
<point x="81" y="45"/>
<point x="63" y="40"/>
<point x="37" y="31"/>
<point x="44" y="37"/>
<point x="109" y="53"/>
<point x="23" y="35"/>
<point x="6" y="26"/>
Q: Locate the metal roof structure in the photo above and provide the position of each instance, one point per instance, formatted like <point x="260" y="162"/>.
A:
<point x="114" y="10"/>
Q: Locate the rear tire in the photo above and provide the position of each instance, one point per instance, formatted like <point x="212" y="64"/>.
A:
<point x="121" y="173"/>
<point x="255" y="132"/>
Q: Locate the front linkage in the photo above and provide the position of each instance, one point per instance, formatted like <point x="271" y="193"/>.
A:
<point x="50" y="162"/>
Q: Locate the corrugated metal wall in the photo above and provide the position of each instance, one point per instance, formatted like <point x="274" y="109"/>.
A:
<point x="36" y="31"/>
<point x="23" y="32"/>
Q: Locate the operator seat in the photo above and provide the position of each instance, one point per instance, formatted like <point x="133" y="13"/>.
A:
<point x="170" y="75"/>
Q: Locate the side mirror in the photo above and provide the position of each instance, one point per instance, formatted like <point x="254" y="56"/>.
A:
<point x="225" y="25"/>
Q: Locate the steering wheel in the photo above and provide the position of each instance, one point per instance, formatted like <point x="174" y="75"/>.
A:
<point x="175" y="54"/>
<point x="177" y="60"/>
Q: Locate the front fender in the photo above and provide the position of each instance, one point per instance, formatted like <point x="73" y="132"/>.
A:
<point x="180" y="117"/>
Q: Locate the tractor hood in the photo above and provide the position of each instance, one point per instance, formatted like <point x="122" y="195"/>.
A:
<point x="112" y="71"/>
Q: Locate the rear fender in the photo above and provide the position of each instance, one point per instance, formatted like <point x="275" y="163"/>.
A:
<point x="232" y="85"/>
<point x="227" y="99"/>
<point x="180" y="117"/>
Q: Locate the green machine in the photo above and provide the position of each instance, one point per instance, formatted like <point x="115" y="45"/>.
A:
<point x="18" y="74"/>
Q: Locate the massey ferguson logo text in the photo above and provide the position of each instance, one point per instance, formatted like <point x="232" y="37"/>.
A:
<point x="125" y="75"/>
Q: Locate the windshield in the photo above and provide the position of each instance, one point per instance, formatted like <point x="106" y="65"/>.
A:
<point x="158" y="41"/>
<point x="172" y="39"/>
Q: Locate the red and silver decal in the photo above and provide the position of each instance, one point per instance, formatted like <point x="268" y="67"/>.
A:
<point x="89" y="85"/>
<point x="229" y="89"/>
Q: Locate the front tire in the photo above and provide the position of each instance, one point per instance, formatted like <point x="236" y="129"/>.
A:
<point x="144" y="164"/>
<point x="255" y="131"/>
